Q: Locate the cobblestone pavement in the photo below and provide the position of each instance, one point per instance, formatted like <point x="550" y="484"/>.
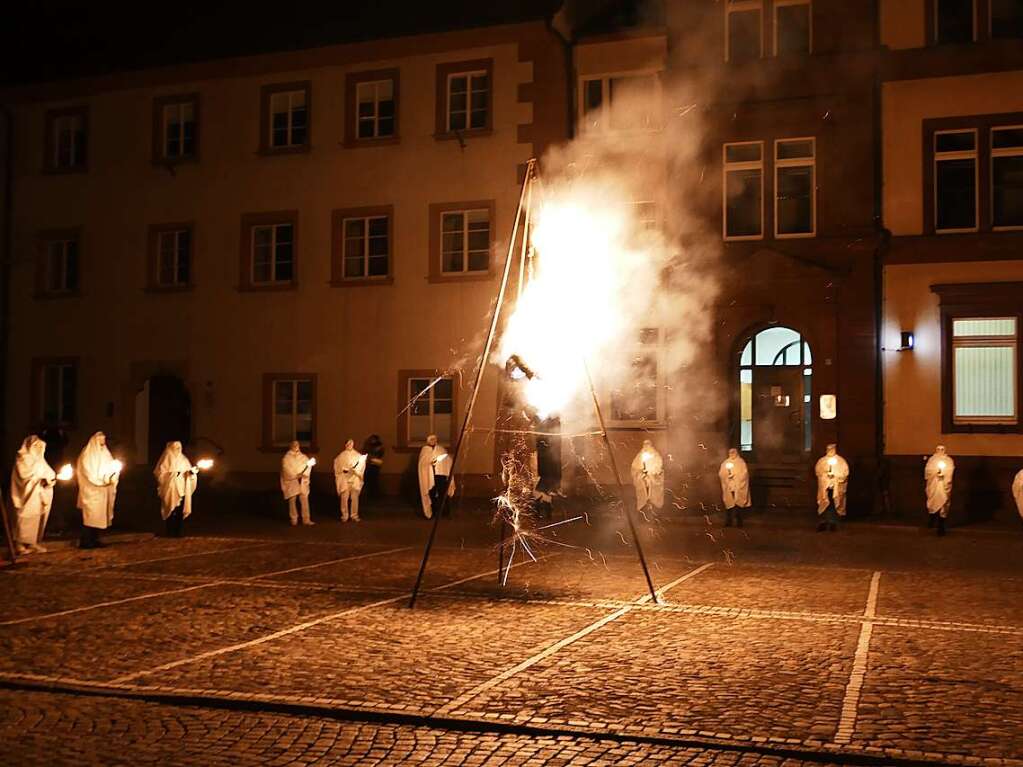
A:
<point x="865" y="644"/>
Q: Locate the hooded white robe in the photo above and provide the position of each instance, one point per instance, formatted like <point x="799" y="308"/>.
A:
<point x="1017" y="491"/>
<point x="837" y="480"/>
<point x="648" y="477"/>
<point x="735" y="483"/>
<point x="432" y="461"/>
<point x="97" y="484"/>
<point x="32" y="482"/>
<point x="939" y="488"/>
<point x="175" y="480"/>
<point x="295" y="471"/>
<point x="349" y="471"/>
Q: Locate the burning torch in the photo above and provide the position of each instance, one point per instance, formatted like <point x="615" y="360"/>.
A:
<point x="66" y="473"/>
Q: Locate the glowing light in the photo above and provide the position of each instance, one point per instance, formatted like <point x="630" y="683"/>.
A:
<point x="312" y="462"/>
<point x="204" y="464"/>
<point x="115" y="467"/>
<point x="941" y="466"/>
<point x="832" y="461"/>
<point x="729" y="465"/>
<point x="439" y="458"/>
<point x="65" y="473"/>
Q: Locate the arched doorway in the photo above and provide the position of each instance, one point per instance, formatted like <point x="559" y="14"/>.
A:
<point x="163" y="412"/>
<point x="775" y="396"/>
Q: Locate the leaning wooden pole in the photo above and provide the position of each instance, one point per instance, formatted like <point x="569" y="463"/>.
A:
<point x="481" y="368"/>
<point x="621" y="487"/>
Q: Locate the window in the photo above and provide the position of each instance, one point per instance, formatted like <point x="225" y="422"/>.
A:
<point x="743" y="189"/>
<point x="794" y="188"/>
<point x="286" y="110"/>
<point x="173" y="257"/>
<point x="620" y="102"/>
<point x="984" y="370"/>
<point x="774" y="347"/>
<point x="464" y="98"/>
<point x="57" y="392"/>
<point x="743" y="30"/>
<point x="465" y="243"/>
<point x="366" y="246"/>
<point x="641" y="402"/>
<point x="1007" y="177"/>
<point x="430" y="402"/>
<point x="290" y="408"/>
<point x="66" y="139"/>
<point x="793" y="27"/>
<point x="955" y="181"/>
<point x="269" y="250"/>
<point x="376" y="109"/>
<point x="175" y="129"/>
<point x="61" y="266"/>
<point x="1006" y="19"/>
<point x="954" y="21"/>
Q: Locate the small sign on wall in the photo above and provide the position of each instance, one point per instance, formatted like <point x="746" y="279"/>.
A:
<point x="829" y="407"/>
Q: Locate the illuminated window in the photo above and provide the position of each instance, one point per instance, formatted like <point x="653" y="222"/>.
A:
<point x="743" y="190"/>
<point x="465" y="241"/>
<point x="955" y="181"/>
<point x="1007" y="177"/>
<point x="795" y="180"/>
<point x="430" y="409"/>
<point x="984" y="368"/>
<point x="743" y="30"/>
<point x="641" y="401"/>
<point x="771" y="348"/>
<point x="793" y="27"/>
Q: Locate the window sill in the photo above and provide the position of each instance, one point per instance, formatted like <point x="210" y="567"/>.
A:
<point x="974" y="230"/>
<point x="985" y="428"/>
<point x="363" y="143"/>
<point x="744" y="238"/>
<point x="361" y="282"/>
<point x="47" y="296"/>
<point x="163" y="162"/>
<point x="807" y="236"/>
<point x="307" y="449"/>
<point x="464" y="134"/>
<point x="169" y="288"/>
<point x="463" y="277"/>
<point x="269" y="288"/>
<point x="268" y="151"/>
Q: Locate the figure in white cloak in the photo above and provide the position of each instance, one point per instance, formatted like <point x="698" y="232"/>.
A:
<point x="648" y="477"/>
<point x="98" y="474"/>
<point x="176" y="479"/>
<point x="938" y="485"/>
<point x="349" y="473"/>
<point x="832" y="479"/>
<point x="32" y="482"/>
<point x="734" y="476"/>
<point x="1017" y="492"/>
<point x="434" y="476"/>
<point x="296" y="469"/>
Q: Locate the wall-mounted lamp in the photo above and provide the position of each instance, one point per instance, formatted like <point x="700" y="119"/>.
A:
<point x="907" y="341"/>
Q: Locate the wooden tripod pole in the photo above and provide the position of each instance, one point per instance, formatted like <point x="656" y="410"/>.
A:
<point x="481" y="368"/>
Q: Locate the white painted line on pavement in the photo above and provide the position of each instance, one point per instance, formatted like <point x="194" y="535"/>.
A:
<point x="851" y="703"/>
<point x="181" y="556"/>
<point x="111" y="603"/>
<point x="508" y="673"/>
<point x="350" y="558"/>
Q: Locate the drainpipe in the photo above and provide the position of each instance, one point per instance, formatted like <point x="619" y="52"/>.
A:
<point x="6" y="257"/>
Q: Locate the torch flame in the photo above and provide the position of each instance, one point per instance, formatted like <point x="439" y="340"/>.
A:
<point x="204" y="464"/>
<point x="65" y="473"/>
<point x="729" y="465"/>
<point x="941" y="465"/>
<point x="312" y="462"/>
<point x="832" y="461"/>
<point x="116" y="466"/>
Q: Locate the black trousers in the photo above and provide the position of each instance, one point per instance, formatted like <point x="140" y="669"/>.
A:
<point x="440" y="489"/>
<point x="175" y="523"/>
<point x="90" y="538"/>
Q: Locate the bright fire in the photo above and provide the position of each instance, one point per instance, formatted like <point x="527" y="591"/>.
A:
<point x="65" y="473"/>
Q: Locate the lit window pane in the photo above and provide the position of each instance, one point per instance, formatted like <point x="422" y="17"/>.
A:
<point x="747" y="354"/>
<point x="985" y="382"/>
<point x="771" y="344"/>
<point x="984" y="327"/>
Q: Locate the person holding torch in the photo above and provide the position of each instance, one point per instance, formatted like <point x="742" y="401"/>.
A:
<point x="98" y="475"/>
<point x="296" y="469"/>
<point x="832" y="479"/>
<point x="648" y="477"/>
<point x="938" y="485"/>
<point x="176" y="479"/>
<point x="349" y="470"/>
<point x="435" y="478"/>
<point x="734" y="476"/>
<point x="32" y="482"/>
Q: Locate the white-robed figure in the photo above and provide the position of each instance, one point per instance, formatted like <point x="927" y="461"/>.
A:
<point x="434" y="475"/>
<point x="296" y="468"/>
<point x="349" y="471"/>
<point x="648" y="476"/>
<point x="938" y="485"/>
<point x="832" y="479"/>
<point x="175" y="483"/>
<point x="98" y="474"/>
<point x="734" y="476"/>
<point x="32" y="482"/>
<point x="1017" y="492"/>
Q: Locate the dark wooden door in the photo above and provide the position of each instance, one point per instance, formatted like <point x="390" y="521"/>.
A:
<point x="778" y="414"/>
<point x="170" y="414"/>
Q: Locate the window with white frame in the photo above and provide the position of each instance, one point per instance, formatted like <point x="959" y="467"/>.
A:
<point x="984" y="370"/>
<point x="173" y="257"/>
<point x="376" y="109"/>
<point x="465" y="241"/>
<point x="955" y="181"/>
<point x="1006" y="19"/>
<point x="273" y="254"/>
<point x="366" y="246"/>
<point x="795" y="188"/>
<point x="1007" y="177"/>
<point x="430" y="409"/>
<point x="793" y="27"/>
<point x="620" y="102"/>
<point x="178" y="127"/>
<point x="59" y="390"/>
<point x="743" y="190"/>
<point x="288" y="122"/>
<point x="67" y="137"/>
<point x="61" y="266"/>
<point x="743" y="30"/>
<point x="468" y="100"/>
<point x="292" y="411"/>
<point x="954" y="21"/>
<point x="641" y="400"/>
